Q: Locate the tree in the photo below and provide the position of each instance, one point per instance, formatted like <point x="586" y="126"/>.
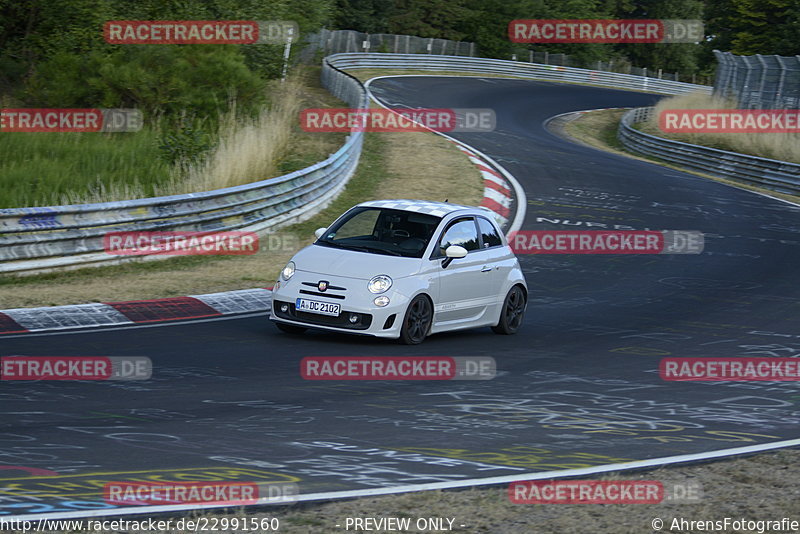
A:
<point x="371" y="16"/>
<point x="765" y="27"/>
<point x="671" y="57"/>
<point x="430" y="18"/>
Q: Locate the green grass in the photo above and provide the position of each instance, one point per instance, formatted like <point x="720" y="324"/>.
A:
<point x="597" y="128"/>
<point x="46" y="169"/>
<point x="40" y="169"/>
<point x="362" y="186"/>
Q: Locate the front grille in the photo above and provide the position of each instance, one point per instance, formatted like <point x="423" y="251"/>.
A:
<point x="318" y="294"/>
<point x="326" y="293"/>
<point x="337" y="288"/>
<point x="342" y="321"/>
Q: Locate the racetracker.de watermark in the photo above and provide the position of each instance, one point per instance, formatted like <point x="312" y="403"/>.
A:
<point x="606" y="31"/>
<point x="129" y="493"/>
<point x="458" y="120"/>
<point x="729" y="121"/>
<point x="605" y="492"/>
<point x="606" y="242"/>
<point x="200" y="31"/>
<point x="75" y="368"/>
<point x="586" y="492"/>
<point x="234" y="243"/>
<point x="398" y="368"/>
<point x="729" y="369"/>
<point x="111" y="120"/>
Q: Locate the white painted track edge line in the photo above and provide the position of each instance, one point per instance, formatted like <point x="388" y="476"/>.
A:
<point x="637" y="464"/>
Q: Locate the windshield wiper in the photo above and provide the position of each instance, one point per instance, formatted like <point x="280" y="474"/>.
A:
<point x="330" y="244"/>
<point x="362" y="248"/>
<point x="387" y="251"/>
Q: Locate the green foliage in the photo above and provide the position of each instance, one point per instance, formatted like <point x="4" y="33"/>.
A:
<point x="370" y="16"/>
<point x="264" y="60"/>
<point x="52" y="52"/>
<point x="765" y="27"/>
<point x="749" y="27"/>
<point x="184" y="145"/>
<point x="440" y="19"/>
<point x="199" y="80"/>
<point x="574" y="9"/>
<point x="671" y="57"/>
<point x="39" y="169"/>
<point x="34" y="29"/>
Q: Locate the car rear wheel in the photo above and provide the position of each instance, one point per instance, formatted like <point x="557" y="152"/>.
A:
<point x="290" y="328"/>
<point x="417" y="321"/>
<point x="513" y="312"/>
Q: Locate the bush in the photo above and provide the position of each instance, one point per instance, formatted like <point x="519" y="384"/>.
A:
<point x="168" y="81"/>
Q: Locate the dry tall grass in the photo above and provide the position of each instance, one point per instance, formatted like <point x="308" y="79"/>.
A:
<point x="780" y="146"/>
<point x="247" y="150"/>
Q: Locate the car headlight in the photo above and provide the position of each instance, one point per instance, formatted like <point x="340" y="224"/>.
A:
<point x="288" y="271"/>
<point x="379" y="284"/>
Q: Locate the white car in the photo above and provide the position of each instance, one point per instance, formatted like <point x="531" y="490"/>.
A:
<point x="403" y="269"/>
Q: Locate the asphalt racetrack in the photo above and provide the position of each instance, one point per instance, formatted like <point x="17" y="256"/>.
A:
<point x="577" y="388"/>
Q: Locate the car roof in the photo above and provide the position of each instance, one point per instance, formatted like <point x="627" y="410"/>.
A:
<point x="429" y="207"/>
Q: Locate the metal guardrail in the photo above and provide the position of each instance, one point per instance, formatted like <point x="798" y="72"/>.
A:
<point x="776" y="175"/>
<point x="41" y="239"/>
<point x="517" y="69"/>
<point x="57" y="237"/>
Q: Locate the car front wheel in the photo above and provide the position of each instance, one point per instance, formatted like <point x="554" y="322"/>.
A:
<point x="417" y="321"/>
<point x="513" y="312"/>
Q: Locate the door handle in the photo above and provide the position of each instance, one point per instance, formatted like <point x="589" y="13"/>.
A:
<point x="486" y="268"/>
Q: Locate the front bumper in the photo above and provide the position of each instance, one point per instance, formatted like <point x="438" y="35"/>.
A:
<point x="359" y="314"/>
<point x="349" y="320"/>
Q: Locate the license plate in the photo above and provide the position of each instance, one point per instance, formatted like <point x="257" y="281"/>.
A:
<point x="315" y="306"/>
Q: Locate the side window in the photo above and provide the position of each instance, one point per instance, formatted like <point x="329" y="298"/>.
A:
<point x="488" y="233"/>
<point x="462" y="233"/>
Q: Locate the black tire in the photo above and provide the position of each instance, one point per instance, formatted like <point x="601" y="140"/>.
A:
<point x="417" y="321"/>
<point x="513" y="312"/>
<point x="290" y="328"/>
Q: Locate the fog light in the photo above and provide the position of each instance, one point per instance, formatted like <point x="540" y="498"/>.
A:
<point x="353" y="318"/>
<point x="381" y="301"/>
<point x="284" y="308"/>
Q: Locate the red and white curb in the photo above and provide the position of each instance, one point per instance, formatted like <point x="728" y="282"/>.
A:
<point x="497" y="194"/>
<point x="137" y="312"/>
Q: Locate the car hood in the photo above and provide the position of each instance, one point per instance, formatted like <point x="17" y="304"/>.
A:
<point x="353" y="264"/>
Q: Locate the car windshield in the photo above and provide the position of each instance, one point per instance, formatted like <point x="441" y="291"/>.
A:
<point x="382" y="231"/>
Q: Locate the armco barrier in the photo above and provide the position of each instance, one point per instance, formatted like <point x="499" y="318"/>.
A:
<point x="518" y="69"/>
<point x="48" y="238"/>
<point x="773" y="174"/>
<point x="42" y="239"/>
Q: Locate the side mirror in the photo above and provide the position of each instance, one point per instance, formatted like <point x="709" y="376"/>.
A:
<point x="453" y="252"/>
<point x="319" y="232"/>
